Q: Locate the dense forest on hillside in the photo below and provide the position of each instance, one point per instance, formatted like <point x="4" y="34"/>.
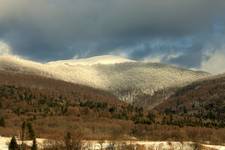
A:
<point x="203" y="101"/>
<point x="55" y="107"/>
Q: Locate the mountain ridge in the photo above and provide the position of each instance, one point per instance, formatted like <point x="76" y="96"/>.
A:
<point x="104" y="59"/>
<point x="125" y="78"/>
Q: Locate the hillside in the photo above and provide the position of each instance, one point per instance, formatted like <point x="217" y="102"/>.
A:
<point x="55" y="107"/>
<point x="127" y="79"/>
<point x="202" y="100"/>
<point x="52" y="105"/>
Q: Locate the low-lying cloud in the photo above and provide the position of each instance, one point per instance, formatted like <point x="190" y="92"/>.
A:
<point x="55" y="29"/>
<point x="215" y="63"/>
<point x="5" y="49"/>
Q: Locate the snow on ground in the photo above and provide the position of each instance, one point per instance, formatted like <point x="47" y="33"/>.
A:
<point x="103" y="60"/>
<point x="145" y="145"/>
<point x="126" y="78"/>
<point x="214" y="147"/>
<point x="151" y="145"/>
<point x="4" y="141"/>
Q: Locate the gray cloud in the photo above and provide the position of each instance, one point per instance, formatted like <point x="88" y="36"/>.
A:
<point x="56" y="29"/>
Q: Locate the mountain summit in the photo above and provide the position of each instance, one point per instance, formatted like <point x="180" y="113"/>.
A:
<point x="126" y="78"/>
<point x="103" y="60"/>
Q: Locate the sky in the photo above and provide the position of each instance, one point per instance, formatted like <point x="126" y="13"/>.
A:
<point x="186" y="33"/>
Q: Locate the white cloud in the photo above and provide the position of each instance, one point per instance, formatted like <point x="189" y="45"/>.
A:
<point x="215" y="64"/>
<point x="121" y="52"/>
<point x="54" y="29"/>
<point x="160" y="58"/>
<point x="5" y="49"/>
<point x="154" y="59"/>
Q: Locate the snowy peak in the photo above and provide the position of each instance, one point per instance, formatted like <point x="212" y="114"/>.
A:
<point x="127" y="79"/>
<point x="103" y="60"/>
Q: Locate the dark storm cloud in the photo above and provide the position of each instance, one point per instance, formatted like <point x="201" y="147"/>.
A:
<point x="56" y="29"/>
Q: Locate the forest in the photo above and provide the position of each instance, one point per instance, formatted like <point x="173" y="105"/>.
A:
<point x="53" y="108"/>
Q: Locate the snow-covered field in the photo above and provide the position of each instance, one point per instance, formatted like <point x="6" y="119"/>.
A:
<point x="125" y="78"/>
<point x="4" y="142"/>
<point x="143" y="145"/>
<point x="150" y="145"/>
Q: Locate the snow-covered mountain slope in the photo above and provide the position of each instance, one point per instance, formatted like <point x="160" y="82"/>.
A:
<point x="125" y="78"/>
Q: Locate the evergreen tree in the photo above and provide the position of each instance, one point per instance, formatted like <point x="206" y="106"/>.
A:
<point x="171" y="119"/>
<point x="23" y="127"/>
<point x="2" y="122"/>
<point x="34" y="146"/>
<point x="13" y="144"/>
<point x="30" y="131"/>
<point x="151" y="116"/>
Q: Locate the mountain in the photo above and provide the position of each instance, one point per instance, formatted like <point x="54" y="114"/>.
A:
<point x="54" y="107"/>
<point x="104" y="60"/>
<point x="127" y="79"/>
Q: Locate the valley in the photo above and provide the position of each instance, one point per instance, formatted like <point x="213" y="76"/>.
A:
<point x="172" y="104"/>
<point x="112" y="74"/>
